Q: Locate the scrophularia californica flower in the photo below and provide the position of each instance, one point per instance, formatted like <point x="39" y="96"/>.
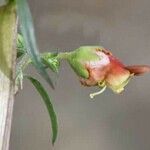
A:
<point x="97" y="66"/>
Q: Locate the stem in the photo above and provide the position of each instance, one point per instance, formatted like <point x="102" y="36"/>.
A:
<point x="26" y="60"/>
<point x="8" y="28"/>
<point x="21" y="66"/>
<point x="63" y="55"/>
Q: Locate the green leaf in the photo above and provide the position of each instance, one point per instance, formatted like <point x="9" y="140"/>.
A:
<point x="48" y="104"/>
<point x="27" y="30"/>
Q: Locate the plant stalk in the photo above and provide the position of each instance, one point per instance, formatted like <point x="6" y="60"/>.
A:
<point x="8" y="30"/>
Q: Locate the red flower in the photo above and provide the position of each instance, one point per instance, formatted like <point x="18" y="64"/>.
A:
<point x="108" y="71"/>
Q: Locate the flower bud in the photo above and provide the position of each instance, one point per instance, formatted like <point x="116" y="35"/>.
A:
<point x="96" y="66"/>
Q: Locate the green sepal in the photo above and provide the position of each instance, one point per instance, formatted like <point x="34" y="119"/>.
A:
<point x="78" y="59"/>
<point x="86" y="53"/>
<point x="51" y="61"/>
<point x="78" y="68"/>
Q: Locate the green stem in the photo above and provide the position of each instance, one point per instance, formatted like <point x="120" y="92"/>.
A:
<point x="63" y="55"/>
<point x="21" y="66"/>
<point x="26" y="60"/>
<point x="8" y="30"/>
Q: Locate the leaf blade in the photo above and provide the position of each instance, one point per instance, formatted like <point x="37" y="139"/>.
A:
<point x="27" y="29"/>
<point x="48" y="104"/>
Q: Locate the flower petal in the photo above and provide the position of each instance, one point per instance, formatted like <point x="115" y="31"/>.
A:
<point x="138" y="69"/>
<point x="117" y="79"/>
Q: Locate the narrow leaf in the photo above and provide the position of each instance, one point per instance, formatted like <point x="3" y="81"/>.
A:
<point x="48" y="104"/>
<point x="27" y="30"/>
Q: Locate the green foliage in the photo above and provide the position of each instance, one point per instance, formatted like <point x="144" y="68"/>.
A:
<point x="49" y="60"/>
<point x="47" y="101"/>
<point x="27" y="48"/>
<point x="27" y="30"/>
<point x="52" y="63"/>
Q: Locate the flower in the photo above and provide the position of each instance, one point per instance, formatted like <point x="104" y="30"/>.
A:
<point x="96" y="66"/>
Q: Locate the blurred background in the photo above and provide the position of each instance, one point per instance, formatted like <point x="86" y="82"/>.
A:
<point x="110" y="121"/>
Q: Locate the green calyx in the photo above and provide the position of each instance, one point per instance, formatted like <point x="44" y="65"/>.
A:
<point x="86" y="53"/>
<point x="78" y="59"/>
<point x="51" y="61"/>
